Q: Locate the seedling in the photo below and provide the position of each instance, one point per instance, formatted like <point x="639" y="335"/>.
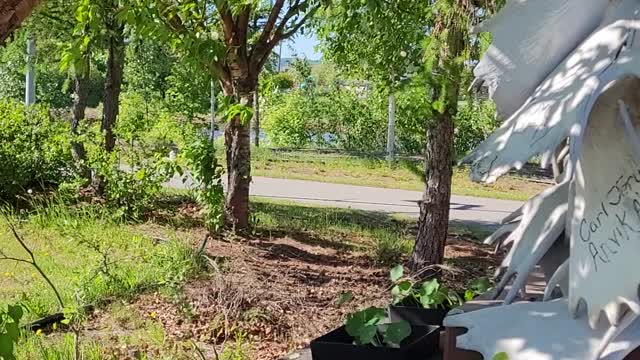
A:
<point x="429" y="294"/>
<point x="371" y="326"/>
<point x="477" y="287"/>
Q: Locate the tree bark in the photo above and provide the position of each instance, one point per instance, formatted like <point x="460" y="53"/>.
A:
<point x="113" y="84"/>
<point x="81" y="83"/>
<point x="433" y="225"/>
<point x="12" y="14"/>
<point x="238" y="151"/>
<point x="255" y="124"/>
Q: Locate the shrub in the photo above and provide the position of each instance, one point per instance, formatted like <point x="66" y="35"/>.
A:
<point x="130" y="187"/>
<point x="34" y="149"/>
<point x="341" y="119"/>
<point x="277" y="82"/>
<point x="207" y="172"/>
<point x="474" y="122"/>
<point x="336" y="118"/>
<point x="51" y="86"/>
<point x="286" y="122"/>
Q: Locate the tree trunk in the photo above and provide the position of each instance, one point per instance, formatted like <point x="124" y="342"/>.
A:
<point x="433" y="225"/>
<point x="391" y="130"/>
<point x="238" y="151"/>
<point x="81" y="82"/>
<point x="434" y="207"/>
<point x="112" y="85"/>
<point x="256" y="119"/>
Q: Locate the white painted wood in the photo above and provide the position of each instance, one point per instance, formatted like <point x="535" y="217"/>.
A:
<point x="559" y="104"/>
<point x="526" y="47"/>
<point x="541" y="331"/>
<point x="543" y="221"/>
<point x="606" y="219"/>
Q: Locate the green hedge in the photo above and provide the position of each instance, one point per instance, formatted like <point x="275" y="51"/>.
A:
<point x="34" y="149"/>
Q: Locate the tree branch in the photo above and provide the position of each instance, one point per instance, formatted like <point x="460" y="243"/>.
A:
<point x="32" y="262"/>
<point x="271" y="22"/>
<point x="228" y="25"/>
<point x="297" y="27"/>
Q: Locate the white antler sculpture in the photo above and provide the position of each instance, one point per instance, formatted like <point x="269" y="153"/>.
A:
<point x="579" y="107"/>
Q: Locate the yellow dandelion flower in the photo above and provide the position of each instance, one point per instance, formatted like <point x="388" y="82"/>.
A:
<point x="153" y="314"/>
<point x="39" y="332"/>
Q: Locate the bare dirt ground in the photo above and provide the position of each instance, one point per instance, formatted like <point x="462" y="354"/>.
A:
<point x="283" y="292"/>
<point x="276" y="290"/>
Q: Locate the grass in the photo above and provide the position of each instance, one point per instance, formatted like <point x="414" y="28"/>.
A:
<point x="386" y="238"/>
<point x="87" y="258"/>
<point x="352" y="170"/>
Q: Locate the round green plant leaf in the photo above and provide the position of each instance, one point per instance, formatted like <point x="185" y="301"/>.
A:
<point x="396" y="332"/>
<point x="396" y="273"/>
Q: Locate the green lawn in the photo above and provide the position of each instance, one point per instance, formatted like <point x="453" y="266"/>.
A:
<point x="90" y="260"/>
<point x="352" y="170"/>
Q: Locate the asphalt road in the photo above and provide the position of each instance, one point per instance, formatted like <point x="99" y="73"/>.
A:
<point x="464" y="209"/>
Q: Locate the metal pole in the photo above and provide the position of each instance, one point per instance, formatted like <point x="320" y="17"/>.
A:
<point x="30" y="91"/>
<point x="280" y="56"/>
<point x="391" y="130"/>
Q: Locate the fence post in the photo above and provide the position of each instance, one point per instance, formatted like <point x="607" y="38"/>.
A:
<point x="391" y="130"/>
<point x="30" y="90"/>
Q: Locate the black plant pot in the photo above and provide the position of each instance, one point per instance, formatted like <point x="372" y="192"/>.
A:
<point x="338" y="345"/>
<point x="415" y="314"/>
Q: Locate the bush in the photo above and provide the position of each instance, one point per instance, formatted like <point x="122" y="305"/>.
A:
<point x="286" y="122"/>
<point x="474" y="122"/>
<point x="341" y="119"/>
<point x="34" y="149"/>
<point x="207" y="172"/>
<point x="337" y="119"/>
<point x="51" y="84"/>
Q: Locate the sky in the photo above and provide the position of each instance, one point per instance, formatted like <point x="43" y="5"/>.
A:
<point x="301" y="45"/>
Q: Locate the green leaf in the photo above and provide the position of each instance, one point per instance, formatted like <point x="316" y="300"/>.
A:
<point x="15" y="312"/>
<point x="345" y="297"/>
<point x="12" y="330"/>
<point x="366" y="335"/>
<point x="396" y="273"/>
<point x="501" y="356"/>
<point x="401" y="290"/>
<point x="469" y="295"/>
<point x="429" y="287"/>
<point x="396" y="332"/>
<point x="6" y="347"/>
<point x="362" y="325"/>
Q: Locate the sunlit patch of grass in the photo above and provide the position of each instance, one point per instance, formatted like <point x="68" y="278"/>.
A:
<point x="56" y="347"/>
<point x="88" y="258"/>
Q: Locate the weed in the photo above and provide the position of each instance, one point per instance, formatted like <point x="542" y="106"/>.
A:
<point x="240" y="349"/>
